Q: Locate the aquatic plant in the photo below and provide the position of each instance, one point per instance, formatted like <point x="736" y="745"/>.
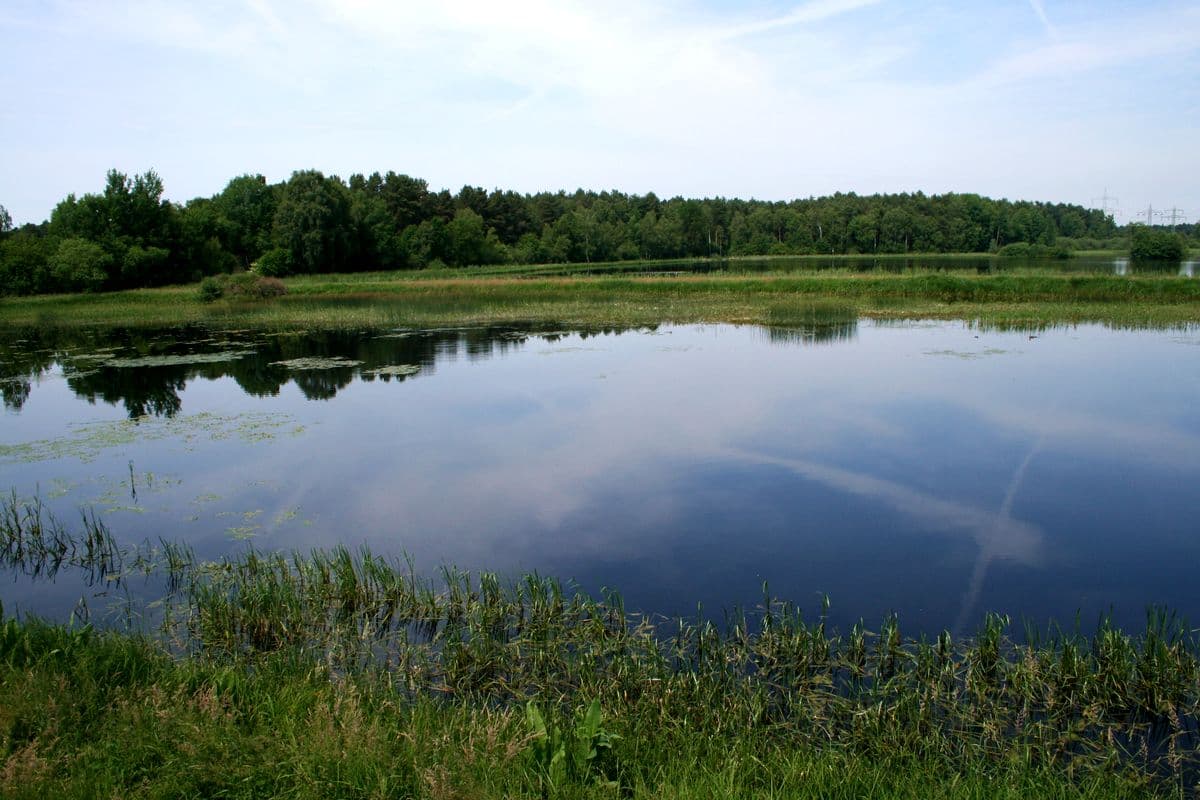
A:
<point x="1055" y="697"/>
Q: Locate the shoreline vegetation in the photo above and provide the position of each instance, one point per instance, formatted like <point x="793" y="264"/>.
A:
<point x="342" y="674"/>
<point x="664" y="292"/>
<point x="128" y="236"/>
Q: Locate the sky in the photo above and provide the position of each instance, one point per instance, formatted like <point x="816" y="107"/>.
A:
<point x="1053" y="100"/>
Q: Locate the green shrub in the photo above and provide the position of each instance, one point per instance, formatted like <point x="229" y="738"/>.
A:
<point x="211" y="289"/>
<point x="1148" y="244"/>
<point x="244" y="286"/>
<point x="1015" y="250"/>
<point x="1027" y="250"/>
<point x="274" y="263"/>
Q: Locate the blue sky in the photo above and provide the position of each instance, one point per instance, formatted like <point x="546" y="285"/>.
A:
<point x="1030" y="99"/>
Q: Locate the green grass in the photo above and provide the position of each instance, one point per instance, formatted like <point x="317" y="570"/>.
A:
<point x="86" y="715"/>
<point x="525" y="294"/>
<point x="339" y="674"/>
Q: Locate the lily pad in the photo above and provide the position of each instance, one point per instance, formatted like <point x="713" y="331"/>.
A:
<point x="394" y="370"/>
<point x="86" y="441"/>
<point x="177" y="360"/>
<point x="317" y="362"/>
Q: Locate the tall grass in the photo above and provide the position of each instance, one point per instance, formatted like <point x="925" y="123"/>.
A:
<point x="527" y="294"/>
<point x="773" y="675"/>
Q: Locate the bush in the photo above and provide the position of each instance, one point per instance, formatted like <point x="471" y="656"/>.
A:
<point x="245" y="286"/>
<point x="274" y="263"/>
<point x="1148" y="244"/>
<point x="211" y="289"/>
<point x="1027" y="250"/>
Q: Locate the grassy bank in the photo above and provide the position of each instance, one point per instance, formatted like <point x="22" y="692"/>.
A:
<point x="339" y="674"/>
<point x="508" y="294"/>
<point x="101" y="715"/>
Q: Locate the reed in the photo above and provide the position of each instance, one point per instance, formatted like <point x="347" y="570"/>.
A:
<point x="773" y="675"/>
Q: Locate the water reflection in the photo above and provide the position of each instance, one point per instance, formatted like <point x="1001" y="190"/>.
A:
<point x="932" y="468"/>
<point x="145" y="371"/>
<point x="812" y="334"/>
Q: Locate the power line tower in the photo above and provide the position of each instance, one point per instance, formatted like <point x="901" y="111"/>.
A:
<point x="1149" y="214"/>
<point x="1107" y="203"/>
<point x="1175" y="216"/>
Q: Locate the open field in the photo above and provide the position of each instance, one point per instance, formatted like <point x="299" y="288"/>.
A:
<point x="510" y="294"/>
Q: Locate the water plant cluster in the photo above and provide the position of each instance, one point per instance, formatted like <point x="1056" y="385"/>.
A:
<point x="1110" y="706"/>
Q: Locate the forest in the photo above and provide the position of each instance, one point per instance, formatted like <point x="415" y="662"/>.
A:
<point x="128" y="235"/>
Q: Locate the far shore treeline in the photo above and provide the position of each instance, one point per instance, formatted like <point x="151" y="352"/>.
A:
<point x="128" y="236"/>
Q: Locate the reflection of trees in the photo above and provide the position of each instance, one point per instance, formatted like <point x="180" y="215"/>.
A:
<point x="23" y="358"/>
<point x="813" y="334"/>
<point x="15" y="391"/>
<point x="154" y="389"/>
<point x="142" y="390"/>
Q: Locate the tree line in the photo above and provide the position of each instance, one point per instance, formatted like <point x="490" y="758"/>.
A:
<point x="128" y="235"/>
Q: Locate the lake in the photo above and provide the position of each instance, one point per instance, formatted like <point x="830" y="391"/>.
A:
<point x="933" y="469"/>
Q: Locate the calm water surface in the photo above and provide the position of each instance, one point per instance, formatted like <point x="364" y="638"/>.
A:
<point x="932" y="469"/>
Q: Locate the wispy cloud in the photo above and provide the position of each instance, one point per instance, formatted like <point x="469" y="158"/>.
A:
<point x="1040" y="10"/>
<point x="863" y="95"/>
<point x="816" y="11"/>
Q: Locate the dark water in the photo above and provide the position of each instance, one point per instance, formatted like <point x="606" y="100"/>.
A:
<point x="931" y="469"/>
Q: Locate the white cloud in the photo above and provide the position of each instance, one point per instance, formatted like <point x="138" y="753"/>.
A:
<point x="831" y="95"/>
<point x="1040" y="10"/>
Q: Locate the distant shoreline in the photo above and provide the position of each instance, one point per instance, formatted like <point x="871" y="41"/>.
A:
<point x="567" y="294"/>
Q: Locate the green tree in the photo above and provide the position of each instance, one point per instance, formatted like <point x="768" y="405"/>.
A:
<point x="246" y="207"/>
<point x="202" y="231"/>
<point x="23" y="264"/>
<point x="79" y="265"/>
<point x="864" y="233"/>
<point x="466" y="238"/>
<point x="424" y="243"/>
<point x="313" y="223"/>
<point x="130" y="212"/>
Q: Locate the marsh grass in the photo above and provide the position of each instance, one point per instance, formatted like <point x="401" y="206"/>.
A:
<point x="769" y="683"/>
<point x="531" y="294"/>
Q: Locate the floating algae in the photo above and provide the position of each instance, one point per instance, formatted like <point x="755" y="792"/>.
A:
<point x="243" y="532"/>
<point x="317" y="362"/>
<point x="97" y="355"/>
<point x="393" y="370"/>
<point x="177" y="360"/>
<point x="87" y="440"/>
